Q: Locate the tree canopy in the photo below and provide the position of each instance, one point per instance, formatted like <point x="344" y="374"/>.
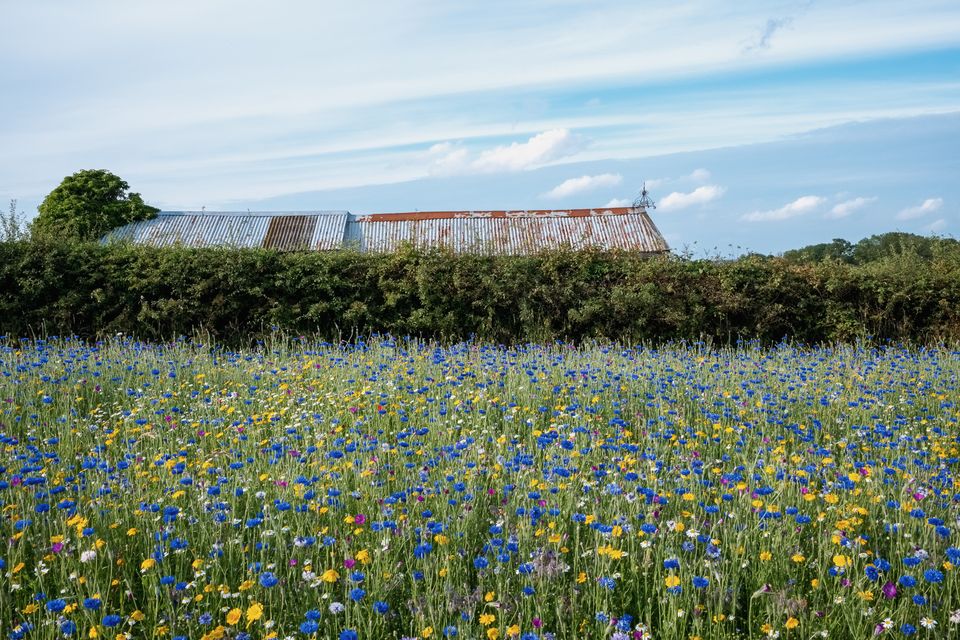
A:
<point x="88" y="204"/>
<point x="872" y="249"/>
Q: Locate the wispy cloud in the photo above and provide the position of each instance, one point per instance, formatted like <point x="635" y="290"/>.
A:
<point x="584" y="183"/>
<point x="618" y="202"/>
<point x="800" y="206"/>
<point x="845" y="208"/>
<point x="700" y="195"/>
<point x="936" y="226"/>
<point x="537" y="151"/>
<point x="450" y="158"/>
<point x="929" y="206"/>
<point x="699" y="175"/>
<point x="766" y="33"/>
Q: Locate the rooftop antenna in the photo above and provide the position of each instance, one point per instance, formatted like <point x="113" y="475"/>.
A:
<point x="644" y="201"/>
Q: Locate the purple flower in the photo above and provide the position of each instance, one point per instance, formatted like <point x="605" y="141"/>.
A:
<point x="889" y="590"/>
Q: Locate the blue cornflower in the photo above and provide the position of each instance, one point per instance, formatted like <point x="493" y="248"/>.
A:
<point x="699" y="582"/>
<point x="450" y="631"/>
<point x="267" y="579"/>
<point x="357" y="594"/>
<point x="312" y="614"/>
<point x="111" y="620"/>
<point x="908" y="629"/>
<point x="309" y="627"/>
<point x="92" y="603"/>
<point x="348" y="634"/>
<point x="381" y="607"/>
<point x="933" y="575"/>
<point x="907" y="581"/>
<point x="68" y="627"/>
<point x="671" y="563"/>
<point x="56" y="606"/>
<point x="480" y="563"/>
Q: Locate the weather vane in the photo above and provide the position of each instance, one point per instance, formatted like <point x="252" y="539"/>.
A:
<point x="643" y="201"/>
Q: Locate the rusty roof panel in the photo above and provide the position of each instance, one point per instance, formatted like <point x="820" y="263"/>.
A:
<point x="290" y="233"/>
<point x="511" y="233"/>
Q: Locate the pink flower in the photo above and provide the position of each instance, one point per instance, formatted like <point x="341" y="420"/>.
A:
<point x="537" y="623"/>
<point x="359" y="518"/>
<point x="349" y="563"/>
<point x="57" y="547"/>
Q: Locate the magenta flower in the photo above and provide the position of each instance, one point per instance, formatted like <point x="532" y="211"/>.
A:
<point x="889" y="590"/>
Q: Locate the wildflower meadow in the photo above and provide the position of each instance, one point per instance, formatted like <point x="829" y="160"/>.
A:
<point x="405" y="489"/>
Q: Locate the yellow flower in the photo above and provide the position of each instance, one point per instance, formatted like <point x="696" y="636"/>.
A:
<point x="672" y="581"/>
<point x="254" y="613"/>
<point x="513" y="630"/>
<point x="792" y="623"/>
<point x="487" y="619"/>
<point x="841" y="561"/>
<point x="330" y="575"/>
<point x="427" y="632"/>
<point x="147" y="564"/>
<point x="234" y="616"/>
<point x="489" y="596"/>
<point x="582" y="577"/>
<point x="765" y="556"/>
<point x="363" y="556"/>
<point x="493" y="633"/>
<point x="797" y="557"/>
<point x="866" y="595"/>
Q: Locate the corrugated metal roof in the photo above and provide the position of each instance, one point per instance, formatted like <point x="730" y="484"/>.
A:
<point x="509" y="232"/>
<point x="492" y="232"/>
<point x="323" y="230"/>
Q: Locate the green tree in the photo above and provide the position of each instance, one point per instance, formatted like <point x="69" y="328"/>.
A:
<point x="88" y="204"/>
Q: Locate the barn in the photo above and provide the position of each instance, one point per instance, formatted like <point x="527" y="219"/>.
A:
<point x="489" y="232"/>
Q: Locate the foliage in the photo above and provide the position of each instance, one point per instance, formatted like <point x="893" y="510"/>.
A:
<point x="235" y="295"/>
<point x="12" y="225"/>
<point x="404" y="489"/>
<point x="873" y="249"/>
<point x="87" y="205"/>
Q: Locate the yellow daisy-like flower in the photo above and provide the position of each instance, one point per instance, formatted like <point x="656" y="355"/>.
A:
<point x="672" y="581"/>
<point x="254" y="613"/>
<point x="233" y="617"/>
<point x="792" y="623"/>
<point x="330" y="575"/>
<point x="487" y="619"/>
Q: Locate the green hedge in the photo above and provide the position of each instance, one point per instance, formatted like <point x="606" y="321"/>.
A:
<point x="93" y="290"/>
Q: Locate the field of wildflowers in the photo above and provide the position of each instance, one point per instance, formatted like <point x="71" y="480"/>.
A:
<point x="389" y="489"/>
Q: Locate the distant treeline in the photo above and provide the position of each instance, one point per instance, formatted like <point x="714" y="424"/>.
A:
<point x="902" y="292"/>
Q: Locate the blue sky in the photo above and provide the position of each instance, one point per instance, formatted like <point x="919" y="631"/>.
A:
<point x="758" y="125"/>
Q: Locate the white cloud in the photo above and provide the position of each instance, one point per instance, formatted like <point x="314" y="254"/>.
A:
<point x="929" y="206"/>
<point x="449" y="158"/>
<point x="700" y="195"/>
<point x="936" y="226"/>
<point x="800" y="206"/>
<point x="538" y="150"/>
<point x="700" y="175"/>
<point x="584" y="183"/>
<point x="845" y="208"/>
<point x="618" y="202"/>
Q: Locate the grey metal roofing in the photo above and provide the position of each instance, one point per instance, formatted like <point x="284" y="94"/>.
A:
<point x="492" y="232"/>
<point x="321" y="230"/>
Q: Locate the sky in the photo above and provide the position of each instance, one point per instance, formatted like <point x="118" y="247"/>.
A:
<point x="757" y="126"/>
